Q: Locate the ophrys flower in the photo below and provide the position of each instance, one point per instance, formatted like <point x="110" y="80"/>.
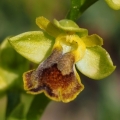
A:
<point x="61" y="49"/>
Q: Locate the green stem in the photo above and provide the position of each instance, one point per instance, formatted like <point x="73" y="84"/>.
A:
<point x="78" y="7"/>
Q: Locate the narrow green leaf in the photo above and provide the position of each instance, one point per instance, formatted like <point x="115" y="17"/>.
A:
<point x="27" y="100"/>
<point x="96" y="63"/>
<point x="13" y="99"/>
<point x="37" y="107"/>
<point x="17" y="113"/>
<point x="3" y="101"/>
<point x="35" y="45"/>
<point x="18" y="104"/>
<point x="114" y="4"/>
<point x="92" y="40"/>
<point x="78" y="7"/>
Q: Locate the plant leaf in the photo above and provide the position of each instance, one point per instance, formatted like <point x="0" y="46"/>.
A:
<point x="36" y="110"/>
<point x="96" y="63"/>
<point x="3" y="101"/>
<point x="27" y="100"/>
<point x="34" y="46"/>
<point x="13" y="99"/>
<point x="114" y="4"/>
<point x="17" y="113"/>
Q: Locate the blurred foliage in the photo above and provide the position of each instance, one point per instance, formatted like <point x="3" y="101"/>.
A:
<point x="99" y="100"/>
<point x="19" y="16"/>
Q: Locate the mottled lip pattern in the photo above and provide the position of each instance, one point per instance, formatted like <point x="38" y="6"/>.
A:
<point x="56" y="77"/>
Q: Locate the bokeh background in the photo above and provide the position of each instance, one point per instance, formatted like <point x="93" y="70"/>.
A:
<point x="100" y="100"/>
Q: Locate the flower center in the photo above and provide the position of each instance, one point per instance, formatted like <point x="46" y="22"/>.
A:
<point x="71" y="43"/>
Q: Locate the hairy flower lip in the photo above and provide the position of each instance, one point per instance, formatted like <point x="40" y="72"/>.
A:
<point x="56" y="77"/>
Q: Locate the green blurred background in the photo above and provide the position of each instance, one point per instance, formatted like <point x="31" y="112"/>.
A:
<point x="100" y="100"/>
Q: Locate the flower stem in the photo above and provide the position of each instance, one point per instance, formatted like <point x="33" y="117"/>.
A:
<point x="78" y="7"/>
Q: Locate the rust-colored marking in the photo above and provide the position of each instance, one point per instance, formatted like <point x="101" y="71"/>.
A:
<point x="54" y="78"/>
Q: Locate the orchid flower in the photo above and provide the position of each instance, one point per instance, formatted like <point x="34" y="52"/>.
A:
<point x="60" y="48"/>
